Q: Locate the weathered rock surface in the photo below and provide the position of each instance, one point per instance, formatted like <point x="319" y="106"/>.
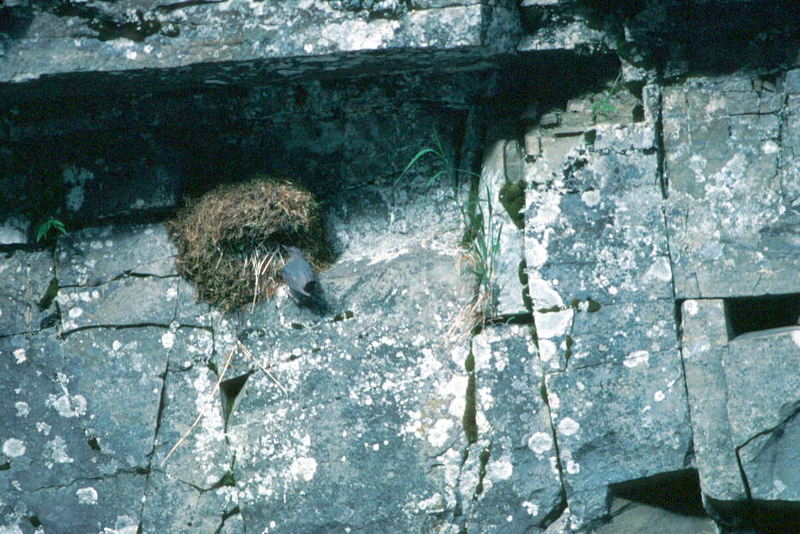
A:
<point x="124" y="302"/>
<point x="510" y="480"/>
<point x="640" y="164"/>
<point x="762" y="418"/>
<point x="618" y="421"/>
<point x="596" y="248"/>
<point x="369" y="434"/>
<point x="152" y="35"/>
<point x="729" y="236"/>
<point x="95" y="255"/>
<point x="24" y="283"/>
<point x="705" y="341"/>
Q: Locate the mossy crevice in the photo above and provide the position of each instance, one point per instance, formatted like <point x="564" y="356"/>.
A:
<point x="469" y="420"/>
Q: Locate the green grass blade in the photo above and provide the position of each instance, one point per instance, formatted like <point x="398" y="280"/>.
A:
<point x="414" y="160"/>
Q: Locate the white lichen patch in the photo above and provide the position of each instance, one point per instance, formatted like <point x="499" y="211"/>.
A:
<point x="168" y="340"/>
<point x="304" y="468"/>
<point x="591" y="198"/>
<point x="659" y="396"/>
<point x="57" y="450"/>
<point x="430" y="364"/>
<point x="501" y="469"/>
<point x="67" y="405"/>
<point x="531" y="508"/>
<point x="19" y="355"/>
<point x="454" y="389"/>
<point x="87" y="495"/>
<point x="359" y="34"/>
<point x="573" y="467"/>
<point x="439" y="433"/>
<point x="568" y="426"/>
<point x="23" y="409"/>
<point x="691" y="307"/>
<point x="540" y="442"/>
<point x="634" y="359"/>
<point x="770" y="147"/>
<point x="14" y="448"/>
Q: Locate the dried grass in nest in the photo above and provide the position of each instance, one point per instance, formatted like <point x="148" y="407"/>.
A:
<point x="229" y="241"/>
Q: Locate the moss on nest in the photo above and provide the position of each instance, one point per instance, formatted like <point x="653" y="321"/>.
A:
<point x="230" y="240"/>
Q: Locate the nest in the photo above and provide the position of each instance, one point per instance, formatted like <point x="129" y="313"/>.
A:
<point x="230" y="240"/>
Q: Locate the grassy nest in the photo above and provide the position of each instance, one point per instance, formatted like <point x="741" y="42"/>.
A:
<point x="230" y="240"/>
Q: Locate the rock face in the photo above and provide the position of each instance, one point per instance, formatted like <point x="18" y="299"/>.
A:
<point x="612" y="188"/>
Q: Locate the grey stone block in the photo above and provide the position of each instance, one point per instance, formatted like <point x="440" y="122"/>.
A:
<point x="24" y="281"/>
<point x="370" y="435"/>
<point x="635" y="518"/>
<point x="178" y="37"/>
<point x="96" y="255"/>
<point x="729" y="213"/>
<point x="108" y="504"/>
<point x="124" y="302"/>
<point x="617" y="422"/>
<point x="203" y="458"/>
<point x="174" y="506"/>
<point x="704" y="349"/>
<point x="110" y="368"/>
<point x="753" y="408"/>
<point x="521" y="488"/>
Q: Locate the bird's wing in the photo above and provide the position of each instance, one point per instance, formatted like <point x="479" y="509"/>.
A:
<point x="296" y="279"/>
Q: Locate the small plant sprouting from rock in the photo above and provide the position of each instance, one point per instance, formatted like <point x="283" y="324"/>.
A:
<point x="49" y="229"/>
<point x="442" y="160"/>
<point x="483" y="248"/>
<point x="604" y="106"/>
<point x="481" y="239"/>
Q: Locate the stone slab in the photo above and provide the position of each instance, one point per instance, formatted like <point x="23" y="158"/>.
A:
<point x="370" y="434"/>
<point x="125" y="302"/>
<point x="617" y="422"/>
<point x="180" y="34"/>
<point x="203" y="458"/>
<point x="729" y="209"/>
<point x="705" y="347"/>
<point x="96" y="255"/>
<point x="520" y="485"/>
<point x="109" y="368"/>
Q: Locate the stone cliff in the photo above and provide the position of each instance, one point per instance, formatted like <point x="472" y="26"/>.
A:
<point x="588" y="322"/>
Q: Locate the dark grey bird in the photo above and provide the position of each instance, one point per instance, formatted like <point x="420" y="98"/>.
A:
<point x="302" y="280"/>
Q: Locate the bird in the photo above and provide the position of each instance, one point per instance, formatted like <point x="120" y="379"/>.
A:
<point x="302" y="281"/>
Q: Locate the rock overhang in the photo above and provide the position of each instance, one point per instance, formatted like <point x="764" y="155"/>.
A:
<point x="69" y="37"/>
